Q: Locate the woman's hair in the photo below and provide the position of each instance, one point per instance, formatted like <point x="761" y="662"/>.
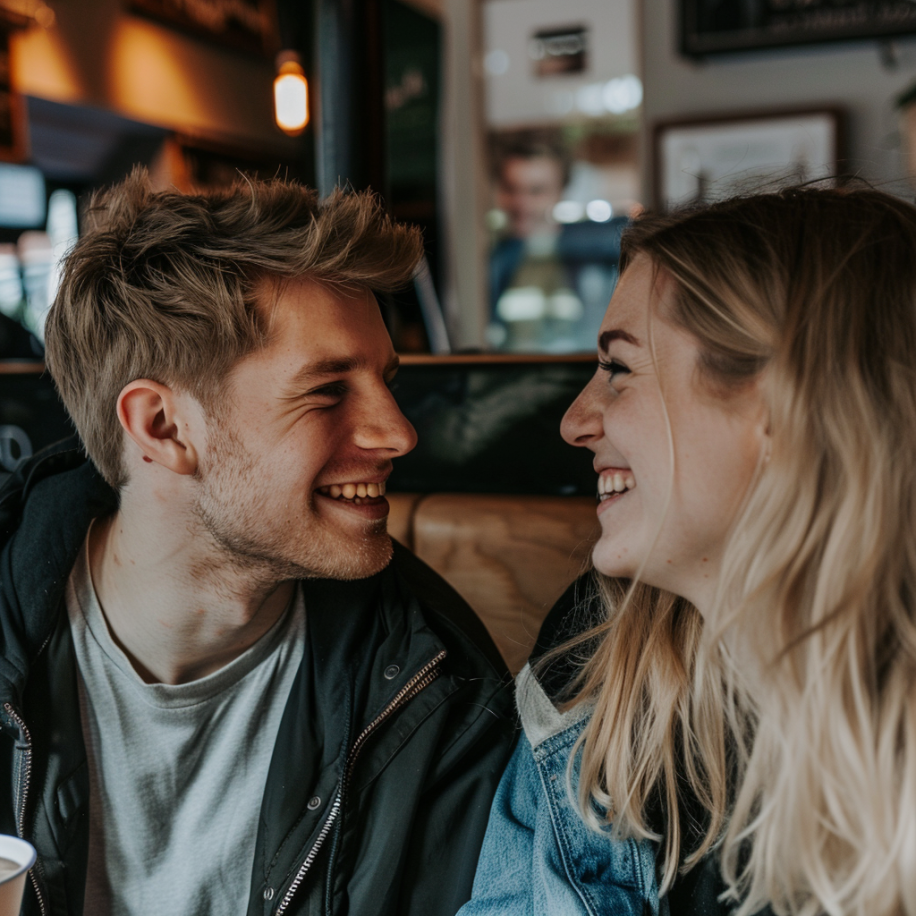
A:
<point x="788" y="715"/>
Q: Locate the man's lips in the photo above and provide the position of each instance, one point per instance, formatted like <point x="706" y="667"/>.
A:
<point x="364" y="489"/>
<point x="365" y="497"/>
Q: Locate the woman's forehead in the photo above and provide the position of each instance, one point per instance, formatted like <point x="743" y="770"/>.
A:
<point x="640" y="291"/>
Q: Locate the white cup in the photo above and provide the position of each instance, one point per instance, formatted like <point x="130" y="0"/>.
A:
<point x="12" y="886"/>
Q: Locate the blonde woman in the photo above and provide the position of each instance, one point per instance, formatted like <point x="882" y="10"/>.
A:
<point x="738" y="730"/>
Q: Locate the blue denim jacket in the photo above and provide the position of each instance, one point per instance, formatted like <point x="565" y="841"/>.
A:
<point x="538" y="856"/>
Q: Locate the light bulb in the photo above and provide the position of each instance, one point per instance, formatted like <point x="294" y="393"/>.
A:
<point x="291" y="97"/>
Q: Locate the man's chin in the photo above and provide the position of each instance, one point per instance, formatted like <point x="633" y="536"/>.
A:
<point x="357" y="559"/>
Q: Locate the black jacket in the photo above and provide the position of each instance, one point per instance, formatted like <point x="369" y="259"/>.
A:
<point x="399" y="723"/>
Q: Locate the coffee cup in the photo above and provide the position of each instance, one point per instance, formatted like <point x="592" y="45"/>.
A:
<point x="16" y="858"/>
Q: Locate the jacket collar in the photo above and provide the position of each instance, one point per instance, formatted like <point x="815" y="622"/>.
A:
<point x="45" y="510"/>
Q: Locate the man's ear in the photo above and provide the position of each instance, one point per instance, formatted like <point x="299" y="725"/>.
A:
<point x="153" y="417"/>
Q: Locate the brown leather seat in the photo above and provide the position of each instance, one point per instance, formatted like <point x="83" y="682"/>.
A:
<point x="510" y="557"/>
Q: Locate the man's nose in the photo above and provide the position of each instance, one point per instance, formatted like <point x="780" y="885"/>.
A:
<point x="383" y="427"/>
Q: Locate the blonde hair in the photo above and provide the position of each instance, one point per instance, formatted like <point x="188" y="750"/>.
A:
<point x="789" y="714"/>
<point x="163" y="285"/>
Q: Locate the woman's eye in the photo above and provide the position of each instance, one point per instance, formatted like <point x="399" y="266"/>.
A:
<point x="613" y="367"/>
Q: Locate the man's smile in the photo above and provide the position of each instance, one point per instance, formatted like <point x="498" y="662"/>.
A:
<point x="354" y="490"/>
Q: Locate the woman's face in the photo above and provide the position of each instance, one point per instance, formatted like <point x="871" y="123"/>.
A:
<point x="669" y="500"/>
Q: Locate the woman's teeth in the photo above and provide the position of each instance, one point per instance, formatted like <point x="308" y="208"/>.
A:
<point x="613" y="483"/>
<point x="353" y="490"/>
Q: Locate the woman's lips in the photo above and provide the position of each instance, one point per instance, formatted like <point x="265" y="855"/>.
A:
<point x="613" y="485"/>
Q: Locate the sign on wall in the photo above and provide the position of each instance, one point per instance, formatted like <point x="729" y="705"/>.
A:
<point x="719" y="26"/>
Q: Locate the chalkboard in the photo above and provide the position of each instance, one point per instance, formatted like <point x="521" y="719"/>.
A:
<point x="721" y="26"/>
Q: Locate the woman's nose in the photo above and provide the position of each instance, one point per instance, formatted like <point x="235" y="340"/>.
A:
<point x="581" y="424"/>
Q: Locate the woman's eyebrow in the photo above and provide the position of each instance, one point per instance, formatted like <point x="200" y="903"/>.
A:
<point x="607" y="337"/>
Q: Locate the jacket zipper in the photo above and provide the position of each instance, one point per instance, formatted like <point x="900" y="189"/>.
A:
<point x="24" y="794"/>
<point x="419" y="682"/>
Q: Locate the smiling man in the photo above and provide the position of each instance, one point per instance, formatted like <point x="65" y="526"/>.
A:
<point x="226" y="691"/>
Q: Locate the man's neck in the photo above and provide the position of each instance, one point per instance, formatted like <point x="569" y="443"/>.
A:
<point x="176" y="607"/>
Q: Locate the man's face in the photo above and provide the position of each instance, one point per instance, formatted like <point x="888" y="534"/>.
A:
<point x="527" y="192"/>
<point x="306" y="415"/>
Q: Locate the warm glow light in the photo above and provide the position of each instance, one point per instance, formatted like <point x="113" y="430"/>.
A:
<point x="291" y="98"/>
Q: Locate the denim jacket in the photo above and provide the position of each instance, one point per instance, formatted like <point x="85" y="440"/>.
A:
<point x="538" y="856"/>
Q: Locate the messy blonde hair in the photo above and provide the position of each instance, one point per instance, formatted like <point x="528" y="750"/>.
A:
<point x="789" y="714"/>
<point x="163" y="285"/>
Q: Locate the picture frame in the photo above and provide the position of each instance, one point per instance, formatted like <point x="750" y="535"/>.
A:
<point x="709" y="27"/>
<point x="243" y="25"/>
<point x="700" y="160"/>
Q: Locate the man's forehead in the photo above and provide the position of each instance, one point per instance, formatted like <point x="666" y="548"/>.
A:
<point x="320" y="320"/>
<point x="271" y="293"/>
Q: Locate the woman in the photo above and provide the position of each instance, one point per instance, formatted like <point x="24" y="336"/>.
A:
<point x="746" y="708"/>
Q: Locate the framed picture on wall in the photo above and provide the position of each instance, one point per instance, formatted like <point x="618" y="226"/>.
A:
<point x="703" y="160"/>
<point x="247" y="25"/>
<point x="725" y="26"/>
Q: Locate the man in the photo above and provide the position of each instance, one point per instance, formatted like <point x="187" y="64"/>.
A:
<point x="222" y="695"/>
<point x="549" y="283"/>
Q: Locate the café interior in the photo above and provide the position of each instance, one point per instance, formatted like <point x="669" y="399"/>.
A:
<point x="521" y="136"/>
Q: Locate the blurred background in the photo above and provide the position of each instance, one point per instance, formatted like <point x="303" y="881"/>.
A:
<point x="520" y="135"/>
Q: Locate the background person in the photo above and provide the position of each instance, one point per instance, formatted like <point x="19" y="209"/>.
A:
<point x="744" y="710"/>
<point x="220" y="693"/>
<point x="549" y="282"/>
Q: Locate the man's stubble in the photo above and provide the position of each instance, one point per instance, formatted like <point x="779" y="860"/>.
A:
<point x="277" y="538"/>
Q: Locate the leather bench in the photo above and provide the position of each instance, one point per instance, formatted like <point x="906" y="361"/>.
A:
<point x="510" y="557"/>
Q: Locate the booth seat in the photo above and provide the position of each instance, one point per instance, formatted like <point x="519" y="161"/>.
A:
<point x="509" y="556"/>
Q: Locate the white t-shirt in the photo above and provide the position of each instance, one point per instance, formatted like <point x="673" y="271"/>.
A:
<point x="177" y="772"/>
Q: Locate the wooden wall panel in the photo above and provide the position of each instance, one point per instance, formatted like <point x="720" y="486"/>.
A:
<point x="510" y="557"/>
<point x="400" y="516"/>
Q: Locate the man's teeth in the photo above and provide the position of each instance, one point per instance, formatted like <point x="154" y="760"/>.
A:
<point x="353" y="490"/>
<point x="616" y="482"/>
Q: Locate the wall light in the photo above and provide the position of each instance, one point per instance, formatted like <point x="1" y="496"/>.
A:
<point x="291" y="94"/>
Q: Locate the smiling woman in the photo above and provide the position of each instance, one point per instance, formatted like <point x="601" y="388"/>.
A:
<point x="690" y="458"/>
<point x="739" y="719"/>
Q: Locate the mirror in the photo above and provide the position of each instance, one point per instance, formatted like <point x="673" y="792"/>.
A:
<point x="563" y="103"/>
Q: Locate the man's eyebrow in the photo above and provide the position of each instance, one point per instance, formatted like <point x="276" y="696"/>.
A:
<point x="607" y="337"/>
<point x="313" y="371"/>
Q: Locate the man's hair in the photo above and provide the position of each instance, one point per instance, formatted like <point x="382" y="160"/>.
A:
<point x="163" y="285"/>
<point x="525" y="146"/>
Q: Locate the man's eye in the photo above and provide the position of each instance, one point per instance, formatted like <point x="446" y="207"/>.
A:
<point x="334" y="390"/>
<point x="613" y="367"/>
